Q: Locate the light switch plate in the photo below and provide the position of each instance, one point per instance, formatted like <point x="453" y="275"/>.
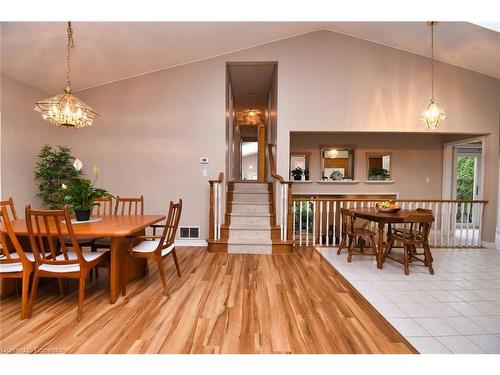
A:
<point x="205" y="172"/>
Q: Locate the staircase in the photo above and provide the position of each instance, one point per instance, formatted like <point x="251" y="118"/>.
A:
<point x="250" y="221"/>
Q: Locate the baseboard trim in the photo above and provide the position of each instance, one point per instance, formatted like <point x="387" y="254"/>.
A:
<point x="186" y="242"/>
<point x="489" y="245"/>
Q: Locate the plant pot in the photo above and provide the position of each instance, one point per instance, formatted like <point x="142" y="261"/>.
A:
<point x="297" y="178"/>
<point x="377" y="177"/>
<point x="82" y="215"/>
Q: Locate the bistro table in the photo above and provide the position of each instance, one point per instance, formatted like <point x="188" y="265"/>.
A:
<point x="382" y="218"/>
<point x="120" y="229"/>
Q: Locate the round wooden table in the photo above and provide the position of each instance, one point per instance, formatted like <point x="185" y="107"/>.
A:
<point x="382" y="218"/>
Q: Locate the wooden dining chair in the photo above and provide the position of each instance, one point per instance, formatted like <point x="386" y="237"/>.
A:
<point x="129" y="206"/>
<point x="415" y="233"/>
<point x="156" y="248"/>
<point x="9" y="203"/>
<point x="123" y="206"/>
<point x="47" y="229"/>
<point x="18" y="264"/>
<point x="352" y="235"/>
<point x="104" y="207"/>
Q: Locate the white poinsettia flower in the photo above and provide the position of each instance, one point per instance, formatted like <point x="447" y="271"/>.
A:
<point x="96" y="170"/>
<point x="64" y="186"/>
<point x="78" y="165"/>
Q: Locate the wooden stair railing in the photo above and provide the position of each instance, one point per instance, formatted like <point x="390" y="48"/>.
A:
<point x="285" y="198"/>
<point x="213" y="214"/>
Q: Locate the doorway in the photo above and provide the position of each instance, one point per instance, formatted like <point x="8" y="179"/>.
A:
<point x="250" y="89"/>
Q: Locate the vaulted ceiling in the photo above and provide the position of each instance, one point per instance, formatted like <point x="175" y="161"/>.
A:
<point x="34" y="52"/>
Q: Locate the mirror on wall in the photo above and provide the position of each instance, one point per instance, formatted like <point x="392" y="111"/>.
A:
<point x="299" y="166"/>
<point x="337" y="163"/>
<point x="378" y="166"/>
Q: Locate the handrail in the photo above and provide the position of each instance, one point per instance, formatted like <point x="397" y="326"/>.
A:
<point x="285" y="198"/>
<point x="395" y="200"/>
<point x="219" y="179"/>
<point x="215" y="207"/>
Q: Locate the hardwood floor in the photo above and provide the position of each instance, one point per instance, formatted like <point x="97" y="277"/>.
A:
<point x="292" y="303"/>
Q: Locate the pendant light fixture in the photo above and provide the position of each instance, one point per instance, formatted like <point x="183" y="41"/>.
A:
<point x="433" y="114"/>
<point x="66" y="109"/>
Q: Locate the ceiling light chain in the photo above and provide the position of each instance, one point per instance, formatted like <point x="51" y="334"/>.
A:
<point x="70" y="45"/>
<point x="433" y="114"/>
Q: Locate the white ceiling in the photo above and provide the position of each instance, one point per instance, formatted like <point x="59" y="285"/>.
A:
<point x="250" y="84"/>
<point x="34" y="52"/>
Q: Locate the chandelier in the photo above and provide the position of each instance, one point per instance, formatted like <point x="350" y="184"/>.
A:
<point x="433" y="114"/>
<point x="66" y="109"/>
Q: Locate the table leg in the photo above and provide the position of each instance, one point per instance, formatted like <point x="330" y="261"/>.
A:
<point x="117" y="246"/>
<point x="380" y="246"/>
<point x="136" y="267"/>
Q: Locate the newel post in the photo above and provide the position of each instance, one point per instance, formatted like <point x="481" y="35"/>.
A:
<point x="289" y="212"/>
<point x="211" y="214"/>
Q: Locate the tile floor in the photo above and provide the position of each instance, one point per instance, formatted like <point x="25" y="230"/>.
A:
<point x="456" y="310"/>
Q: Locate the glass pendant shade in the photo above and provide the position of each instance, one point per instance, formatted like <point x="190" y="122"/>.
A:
<point x="432" y="115"/>
<point x="66" y="110"/>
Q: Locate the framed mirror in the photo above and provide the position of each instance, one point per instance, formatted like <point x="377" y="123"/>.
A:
<point x="378" y="166"/>
<point x="299" y="165"/>
<point x="337" y="163"/>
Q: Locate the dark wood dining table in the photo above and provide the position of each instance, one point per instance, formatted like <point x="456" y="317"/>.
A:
<point x="382" y="218"/>
<point x="120" y="229"/>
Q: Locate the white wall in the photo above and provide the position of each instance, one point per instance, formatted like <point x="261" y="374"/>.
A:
<point x="414" y="158"/>
<point x="155" y="127"/>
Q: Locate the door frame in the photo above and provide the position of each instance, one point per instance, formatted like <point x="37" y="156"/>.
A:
<point x="449" y="168"/>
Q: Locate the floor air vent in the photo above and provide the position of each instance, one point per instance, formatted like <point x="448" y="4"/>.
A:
<point x="190" y="232"/>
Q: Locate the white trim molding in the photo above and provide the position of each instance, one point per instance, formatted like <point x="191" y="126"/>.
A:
<point x="189" y="242"/>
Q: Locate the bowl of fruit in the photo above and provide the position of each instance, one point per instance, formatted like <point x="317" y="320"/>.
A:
<point x="388" y="206"/>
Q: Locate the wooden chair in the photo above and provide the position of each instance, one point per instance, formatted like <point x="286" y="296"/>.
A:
<point x="129" y="206"/>
<point x="123" y="206"/>
<point x="45" y="229"/>
<point x="105" y="207"/>
<point x="156" y="247"/>
<point x="352" y="234"/>
<point x="16" y="265"/>
<point x="415" y="233"/>
<point x="10" y="204"/>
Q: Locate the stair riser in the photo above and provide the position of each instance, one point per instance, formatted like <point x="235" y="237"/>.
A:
<point x="250" y="220"/>
<point x="248" y="234"/>
<point x="251" y="198"/>
<point x="249" y="209"/>
<point x="251" y="188"/>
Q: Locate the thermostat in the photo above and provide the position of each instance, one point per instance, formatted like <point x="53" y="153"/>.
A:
<point x="204" y="160"/>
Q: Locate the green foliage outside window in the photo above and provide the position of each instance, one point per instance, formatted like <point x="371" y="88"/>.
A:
<point x="465" y="178"/>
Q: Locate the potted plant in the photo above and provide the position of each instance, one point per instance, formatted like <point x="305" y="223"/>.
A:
<point x="297" y="173"/>
<point x="80" y="193"/>
<point x="53" y="168"/>
<point x="378" y="174"/>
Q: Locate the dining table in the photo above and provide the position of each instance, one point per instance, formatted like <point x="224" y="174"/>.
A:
<point x="382" y="219"/>
<point x="120" y="229"/>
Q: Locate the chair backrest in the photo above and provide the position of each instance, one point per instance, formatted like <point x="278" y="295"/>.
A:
<point x="10" y="203"/>
<point x="104" y="206"/>
<point x="129" y="206"/>
<point x="348" y="220"/>
<point x="48" y="231"/>
<point x="419" y="224"/>
<point x="7" y="257"/>
<point x="172" y="223"/>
